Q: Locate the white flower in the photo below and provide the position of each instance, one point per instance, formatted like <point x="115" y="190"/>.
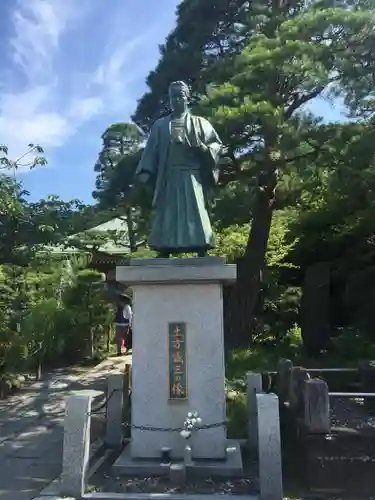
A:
<point x="185" y="434"/>
<point x="194" y="421"/>
<point x="195" y="414"/>
<point x="199" y="421"/>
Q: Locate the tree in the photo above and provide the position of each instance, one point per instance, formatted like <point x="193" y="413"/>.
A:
<point x="116" y="165"/>
<point x="90" y="311"/>
<point x="37" y="159"/>
<point x="25" y="226"/>
<point x="266" y="69"/>
<point x="206" y="31"/>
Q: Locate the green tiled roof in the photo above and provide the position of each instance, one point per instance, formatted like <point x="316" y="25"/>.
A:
<point x="117" y="227"/>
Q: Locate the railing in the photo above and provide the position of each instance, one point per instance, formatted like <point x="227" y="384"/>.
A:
<point x="307" y="400"/>
<point x="352" y="394"/>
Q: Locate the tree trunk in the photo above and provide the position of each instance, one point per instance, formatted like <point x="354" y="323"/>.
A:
<point x="92" y="346"/>
<point x="38" y="369"/>
<point x="250" y="269"/>
<point x="108" y="339"/>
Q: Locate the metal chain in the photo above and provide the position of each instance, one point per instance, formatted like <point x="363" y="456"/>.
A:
<point x="151" y="428"/>
<point x="37" y="350"/>
<point x="104" y="404"/>
<point x="173" y="429"/>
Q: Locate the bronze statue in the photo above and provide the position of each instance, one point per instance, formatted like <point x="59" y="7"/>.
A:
<point x="181" y="158"/>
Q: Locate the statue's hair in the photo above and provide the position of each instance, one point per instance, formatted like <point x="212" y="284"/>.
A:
<point x="183" y="85"/>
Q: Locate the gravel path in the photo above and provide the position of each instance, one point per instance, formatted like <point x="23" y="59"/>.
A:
<point x="31" y="428"/>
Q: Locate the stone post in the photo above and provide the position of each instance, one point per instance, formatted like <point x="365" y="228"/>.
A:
<point x="126" y="401"/>
<point x="114" y="425"/>
<point x="254" y="386"/>
<point x="269" y="447"/>
<point x="283" y="381"/>
<point x="299" y="376"/>
<point x="316" y="402"/>
<point x="367" y="378"/>
<point x="76" y="449"/>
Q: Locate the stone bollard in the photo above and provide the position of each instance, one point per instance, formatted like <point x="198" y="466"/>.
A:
<point x="254" y="386"/>
<point x="283" y="380"/>
<point x="269" y="447"/>
<point x="177" y="474"/>
<point x="114" y="421"/>
<point x="188" y="460"/>
<point x="316" y="407"/>
<point x="299" y="376"/>
<point x="76" y="449"/>
<point x="367" y="378"/>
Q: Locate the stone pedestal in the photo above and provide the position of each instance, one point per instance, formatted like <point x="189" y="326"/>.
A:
<point x="187" y="292"/>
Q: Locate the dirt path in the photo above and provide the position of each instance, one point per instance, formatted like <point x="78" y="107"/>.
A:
<point x="31" y="427"/>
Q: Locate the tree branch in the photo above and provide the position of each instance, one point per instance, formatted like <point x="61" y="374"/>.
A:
<point x="299" y="101"/>
<point x="302" y="156"/>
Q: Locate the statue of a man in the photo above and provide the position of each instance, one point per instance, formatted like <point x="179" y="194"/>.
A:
<point x="181" y="158"/>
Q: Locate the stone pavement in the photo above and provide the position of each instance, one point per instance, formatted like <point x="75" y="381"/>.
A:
<point x="31" y="427"/>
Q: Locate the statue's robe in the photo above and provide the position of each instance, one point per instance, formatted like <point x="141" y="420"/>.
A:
<point x="184" y="176"/>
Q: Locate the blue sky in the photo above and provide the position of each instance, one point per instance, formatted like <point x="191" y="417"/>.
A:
<point x="69" y="69"/>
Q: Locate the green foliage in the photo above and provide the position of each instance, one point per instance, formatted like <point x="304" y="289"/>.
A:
<point x="115" y="168"/>
<point x="40" y="328"/>
<point x="230" y="242"/>
<point x="253" y="68"/>
<point x="90" y="314"/>
<point x="55" y="311"/>
<point x="22" y="161"/>
<point x="26" y="226"/>
<point x="351" y="346"/>
<point x="296" y="191"/>
<point x="237" y="416"/>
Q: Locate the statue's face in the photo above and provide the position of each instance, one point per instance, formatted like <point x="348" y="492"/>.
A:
<point x="178" y="99"/>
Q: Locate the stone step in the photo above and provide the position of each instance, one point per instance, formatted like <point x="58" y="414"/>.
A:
<point x="160" y="496"/>
<point x="125" y="465"/>
<point x="147" y="496"/>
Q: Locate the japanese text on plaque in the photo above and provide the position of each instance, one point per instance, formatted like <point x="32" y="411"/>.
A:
<point x="177" y="361"/>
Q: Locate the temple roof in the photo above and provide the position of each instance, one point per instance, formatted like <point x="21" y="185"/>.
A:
<point x="116" y="244"/>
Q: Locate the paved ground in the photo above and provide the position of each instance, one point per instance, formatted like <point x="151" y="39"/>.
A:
<point x="31" y="429"/>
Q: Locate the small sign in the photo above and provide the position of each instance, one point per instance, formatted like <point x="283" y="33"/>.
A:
<point x="177" y="361"/>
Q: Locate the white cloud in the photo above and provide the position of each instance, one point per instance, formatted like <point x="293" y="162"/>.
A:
<point x="49" y="106"/>
<point x="31" y="114"/>
<point x="38" y="26"/>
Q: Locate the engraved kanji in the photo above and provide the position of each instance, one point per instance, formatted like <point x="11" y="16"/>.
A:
<point x="177" y="358"/>
<point x="178" y="390"/>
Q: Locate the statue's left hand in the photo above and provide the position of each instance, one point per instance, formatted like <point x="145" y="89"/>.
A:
<point x="202" y="147"/>
<point x="144" y="177"/>
<point x="224" y="151"/>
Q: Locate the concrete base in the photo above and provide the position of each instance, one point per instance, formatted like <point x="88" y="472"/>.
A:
<point x="159" y="496"/>
<point x="230" y="467"/>
<point x="186" y="291"/>
<point x="191" y="261"/>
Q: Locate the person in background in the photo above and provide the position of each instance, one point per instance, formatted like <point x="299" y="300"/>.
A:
<point x="123" y="320"/>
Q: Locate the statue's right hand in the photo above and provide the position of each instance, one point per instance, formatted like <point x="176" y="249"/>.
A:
<point x="144" y="177"/>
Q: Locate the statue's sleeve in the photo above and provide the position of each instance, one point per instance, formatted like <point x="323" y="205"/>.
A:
<point x="150" y="157"/>
<point x="212" y="141"/>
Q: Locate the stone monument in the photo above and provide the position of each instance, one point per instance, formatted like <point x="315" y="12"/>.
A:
<point x="178" y="344"/>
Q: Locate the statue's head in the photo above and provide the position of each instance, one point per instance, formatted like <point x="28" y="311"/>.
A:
<point x="179" y="95"/>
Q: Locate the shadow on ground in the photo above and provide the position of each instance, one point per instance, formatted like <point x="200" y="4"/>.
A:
<point x="31" y="430"/>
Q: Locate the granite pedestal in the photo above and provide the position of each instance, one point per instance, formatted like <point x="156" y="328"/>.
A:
<point x="184" y="291"/>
